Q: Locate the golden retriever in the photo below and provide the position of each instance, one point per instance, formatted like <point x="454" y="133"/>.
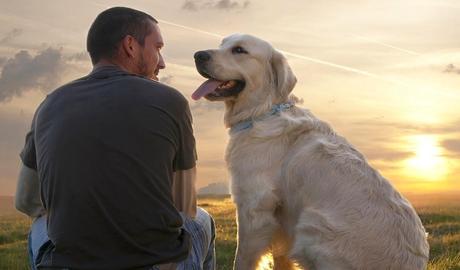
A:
<point x="301" y="190"/>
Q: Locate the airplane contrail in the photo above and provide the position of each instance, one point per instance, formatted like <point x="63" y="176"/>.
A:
<point x="386" y="45"/>
<point x="342" y="67"/>
<point x="192" y="29"/>
<point x="346" y="68"/>
<point x="315" y="60"/>
<point x="221" y="36"/>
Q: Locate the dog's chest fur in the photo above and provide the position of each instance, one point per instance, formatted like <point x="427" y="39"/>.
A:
<point x="254" y="164"/>
<point x="255" y="157"/>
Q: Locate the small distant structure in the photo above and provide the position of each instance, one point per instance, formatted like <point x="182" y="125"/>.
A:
<point x="219" y="188"/>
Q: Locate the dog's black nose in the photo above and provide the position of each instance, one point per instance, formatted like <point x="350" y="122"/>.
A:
<point x="202" y="56"/>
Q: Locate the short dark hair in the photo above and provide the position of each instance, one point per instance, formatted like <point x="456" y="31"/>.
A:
<point x="111" y="26"/>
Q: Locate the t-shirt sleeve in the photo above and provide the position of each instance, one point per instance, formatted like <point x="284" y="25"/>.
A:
<point x="28" y="154"/>
<point x="186" y="155"/>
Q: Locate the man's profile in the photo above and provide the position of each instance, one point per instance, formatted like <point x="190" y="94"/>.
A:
<point x="112" y="156"/>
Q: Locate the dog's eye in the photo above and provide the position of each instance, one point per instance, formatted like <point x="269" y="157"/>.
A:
<point x="238" y="49"/>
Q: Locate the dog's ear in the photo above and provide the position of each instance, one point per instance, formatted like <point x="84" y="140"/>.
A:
<point x="284" y="79"/>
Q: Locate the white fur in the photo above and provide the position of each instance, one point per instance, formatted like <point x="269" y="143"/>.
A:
<point x="301" y="189"/>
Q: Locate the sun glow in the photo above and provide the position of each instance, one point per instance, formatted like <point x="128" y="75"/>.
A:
<point x="266" y="262"/>
<point x="428" y="162"/>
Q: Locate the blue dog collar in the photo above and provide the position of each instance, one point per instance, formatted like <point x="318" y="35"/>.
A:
<point x="247" y="124"/>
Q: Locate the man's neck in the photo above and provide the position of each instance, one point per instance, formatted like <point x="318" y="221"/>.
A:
<point x="106" y="62"/>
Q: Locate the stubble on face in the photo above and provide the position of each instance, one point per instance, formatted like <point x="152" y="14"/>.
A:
<point x="149" y="58"/>
<point x="143" y="68"/>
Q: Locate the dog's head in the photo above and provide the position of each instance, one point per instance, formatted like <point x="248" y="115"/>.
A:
<point x="244" y="68"/>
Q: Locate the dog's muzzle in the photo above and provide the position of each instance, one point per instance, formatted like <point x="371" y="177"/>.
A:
<point x="202" y="57"/>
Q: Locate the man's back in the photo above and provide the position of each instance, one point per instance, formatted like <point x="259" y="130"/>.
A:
<point x="106" y="148"/>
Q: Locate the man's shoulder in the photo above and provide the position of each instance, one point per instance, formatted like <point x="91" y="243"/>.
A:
<point x="157" y="97"/>
<point x="143" y="87"/>
<point x="66" y="86"/>
<point x="157" y="91"/>
<point x="148" y="84"/>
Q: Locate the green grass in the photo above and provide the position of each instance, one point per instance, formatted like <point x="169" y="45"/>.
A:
<point x="443" y="225"/>
<point x="13" y="241"/>
<point x="440" y="217"/>
<point x="223" y="211"/>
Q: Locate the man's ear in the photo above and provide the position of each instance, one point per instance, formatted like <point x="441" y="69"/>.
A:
<point x="283" y="78"/>
<point x="129" y="45"/>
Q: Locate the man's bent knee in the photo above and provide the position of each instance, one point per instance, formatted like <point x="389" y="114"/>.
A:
<point x="205" y="219"/>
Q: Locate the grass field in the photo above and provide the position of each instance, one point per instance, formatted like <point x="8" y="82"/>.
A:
<point x="439" y="214"/>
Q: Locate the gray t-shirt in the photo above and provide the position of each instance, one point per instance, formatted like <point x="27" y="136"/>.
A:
<point x="105" y="148"/>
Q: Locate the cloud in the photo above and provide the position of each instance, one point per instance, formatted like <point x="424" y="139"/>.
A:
<point x="386" y="154"/>
<point x="190" y="5"/>
<point x="11" y="35"/>
<point x="25" y="72"/>
<point x="167" y="79"/>
<point x="452" y="127"/>
<point x="452" y="145"/>
<point x="227" y="5"/>
<point x="451" y="68"/>
<point x="81" y="56"/>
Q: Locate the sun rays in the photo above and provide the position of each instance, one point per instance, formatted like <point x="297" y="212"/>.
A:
<point x="427" y="163"/>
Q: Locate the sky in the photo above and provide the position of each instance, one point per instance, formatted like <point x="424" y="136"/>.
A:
<point x="384" y="74"/>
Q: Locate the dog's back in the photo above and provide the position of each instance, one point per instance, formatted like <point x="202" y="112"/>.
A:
<point x="347" y="215"/>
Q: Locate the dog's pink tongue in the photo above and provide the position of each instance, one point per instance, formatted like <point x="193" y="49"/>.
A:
<point x="205" y="88"/>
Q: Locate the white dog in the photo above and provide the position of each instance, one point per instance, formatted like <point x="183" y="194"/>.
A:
<point x="301" y="189"/>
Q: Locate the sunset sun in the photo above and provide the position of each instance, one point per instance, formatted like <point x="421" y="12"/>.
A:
<point x="427" y="163"/>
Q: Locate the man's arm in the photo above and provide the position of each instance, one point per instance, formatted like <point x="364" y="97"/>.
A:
<point x="27" y="199"/>
<point x="184" y="193"/>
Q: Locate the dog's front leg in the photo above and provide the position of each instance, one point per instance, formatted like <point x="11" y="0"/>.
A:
<point x="282" y="263"/>
<point x="256" y="225"/>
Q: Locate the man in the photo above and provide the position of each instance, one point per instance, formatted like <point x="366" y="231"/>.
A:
<point x="113" y="155"/>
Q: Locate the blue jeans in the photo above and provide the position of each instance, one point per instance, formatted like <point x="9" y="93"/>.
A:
<point x="202" y="255"/>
